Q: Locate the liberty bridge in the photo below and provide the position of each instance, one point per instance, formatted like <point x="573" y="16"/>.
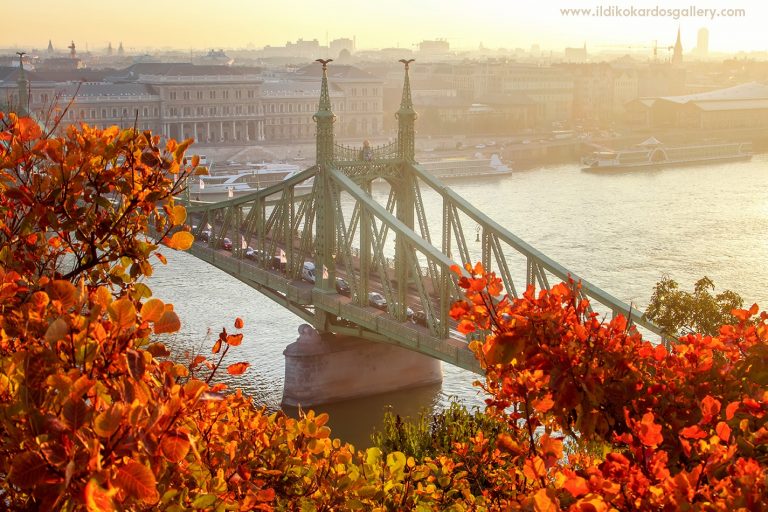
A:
<point x="327" y="216"/>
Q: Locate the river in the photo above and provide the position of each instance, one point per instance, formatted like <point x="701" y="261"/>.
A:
<point x="621" y="231"/>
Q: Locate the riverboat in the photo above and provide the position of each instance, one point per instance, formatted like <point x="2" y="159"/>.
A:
<point x="238" y="182"/>
<point x="450" y="168"/>
<point x="654" y="154"/>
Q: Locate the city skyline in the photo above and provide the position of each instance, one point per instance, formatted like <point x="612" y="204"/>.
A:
<point x="465" y="25"/>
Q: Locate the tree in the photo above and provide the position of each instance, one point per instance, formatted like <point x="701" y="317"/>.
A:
<point x="96" y="415"/>
<point x="680" y="312"/>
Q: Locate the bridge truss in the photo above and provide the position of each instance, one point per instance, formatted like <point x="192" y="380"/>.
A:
<point x="359" y="214"/>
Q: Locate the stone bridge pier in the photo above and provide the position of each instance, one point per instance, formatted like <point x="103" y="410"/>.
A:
<point x="329" y="368"/>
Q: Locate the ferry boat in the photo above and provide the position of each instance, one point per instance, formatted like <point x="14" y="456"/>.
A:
<point x="236" y="183"/>
<point x="450" y="168"/>
<point x="653" y="154"/>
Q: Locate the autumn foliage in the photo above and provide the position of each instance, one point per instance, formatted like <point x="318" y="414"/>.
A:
<point x="95" y="413"/>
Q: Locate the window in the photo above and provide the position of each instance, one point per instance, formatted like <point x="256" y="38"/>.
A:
<point x="212" y="95"/>
<point x="200" y="111"/>
<point x="225" y="95"/>
<point x="199" y="95"/>
<point x="173" y="95"/>
<point x="212" y="111"/>
<point x="187" y="111"/>
<point x="186" y="95"/>
<point x="146" y="112"/>
<point x="93" y="113"/>
<point x="157" y="111"/>
<point x="238" y="94"/>
<point x="103" y="113"/>
<point x="114" y="112"/>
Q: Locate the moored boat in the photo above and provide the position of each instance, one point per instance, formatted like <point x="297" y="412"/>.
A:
<point x="236" y="183"/>
<point x="654" y="154"/>
<point x="450" y="168"/>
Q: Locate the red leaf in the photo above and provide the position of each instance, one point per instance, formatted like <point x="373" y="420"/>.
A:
<point x="138" y="481"/>
<point x="730" y="411"/>
<point x="234" y="339"/>
<point x="544" y="404"/>
<point x="710" y="408"/>
<point x="27" y="470"/>
<point x="693" y="432"/>
<point x="237" y="368"/>
<point x="239" y="323"/>
<point x="196" y="361"/>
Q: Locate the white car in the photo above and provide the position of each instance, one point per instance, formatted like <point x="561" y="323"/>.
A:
<point x="377" y="300"/>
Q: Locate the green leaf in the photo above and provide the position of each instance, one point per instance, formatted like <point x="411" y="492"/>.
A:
<point x="204" y="501"/>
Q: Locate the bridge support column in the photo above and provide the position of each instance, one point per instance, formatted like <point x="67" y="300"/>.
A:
<point x="331" y="368"/>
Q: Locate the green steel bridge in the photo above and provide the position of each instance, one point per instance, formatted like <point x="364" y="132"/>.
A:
<point x="327" y="215"/>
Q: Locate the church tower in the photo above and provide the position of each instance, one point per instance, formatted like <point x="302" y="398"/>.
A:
<point x="677" y="56"/>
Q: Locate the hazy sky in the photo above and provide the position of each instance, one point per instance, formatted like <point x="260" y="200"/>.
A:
<point x="204" y="24"/>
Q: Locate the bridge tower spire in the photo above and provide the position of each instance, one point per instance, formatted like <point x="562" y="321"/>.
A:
<point x="325" y="268"/>
<point x="406" y="120"/>
<point x="23" y="86"/>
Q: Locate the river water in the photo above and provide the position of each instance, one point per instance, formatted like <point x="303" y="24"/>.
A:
<point x="621" y="231"/>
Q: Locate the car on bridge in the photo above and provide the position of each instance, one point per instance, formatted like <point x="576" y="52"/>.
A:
<point x="419" y="317"/>
<point x="377" y="300"/>
<point x="308" y="272"/>
<point x="342" y="287"/>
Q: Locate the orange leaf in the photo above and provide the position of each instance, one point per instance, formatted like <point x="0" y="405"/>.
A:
<point x="693" y="432"/>
<point x="730" y="411"/>
<point x="29" y="129"/>
<point x="544" y="404"/>
<point x="98" y="499"/>
<point x="237" y="368"/>
<point x="576" y="486"/>
<point x="542" y="502"/>
<point x="152" y="310"/>
<point x="265" y="495"/>
<point x="178" y="215"/>
<point x="723" y="431"/>
<point x="138" y="481"/>
<point x="174" y="447"/>
<point x="216" y="346"/>
<point x="196" y="361"/>
<point x="650" y="432"/>
<point x="238" y="323"/>
<point x="168" y="322"/>
<point x="465" y="327"/>
<point x="108" y="421"/>
<point x="181" y="240"/>
<point x="234" y="339"/>
<point x="123" y="313"/>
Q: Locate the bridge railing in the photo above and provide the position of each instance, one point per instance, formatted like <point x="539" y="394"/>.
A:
<point x="342" y="153"/>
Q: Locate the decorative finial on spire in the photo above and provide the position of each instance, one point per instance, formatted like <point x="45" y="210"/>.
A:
<point x="325" y="97"/>
<point x="406" y="103"/>
<point x="21" y="61"/>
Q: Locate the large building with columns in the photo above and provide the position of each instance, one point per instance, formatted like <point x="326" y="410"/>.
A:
<point x="212" y="104"/>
